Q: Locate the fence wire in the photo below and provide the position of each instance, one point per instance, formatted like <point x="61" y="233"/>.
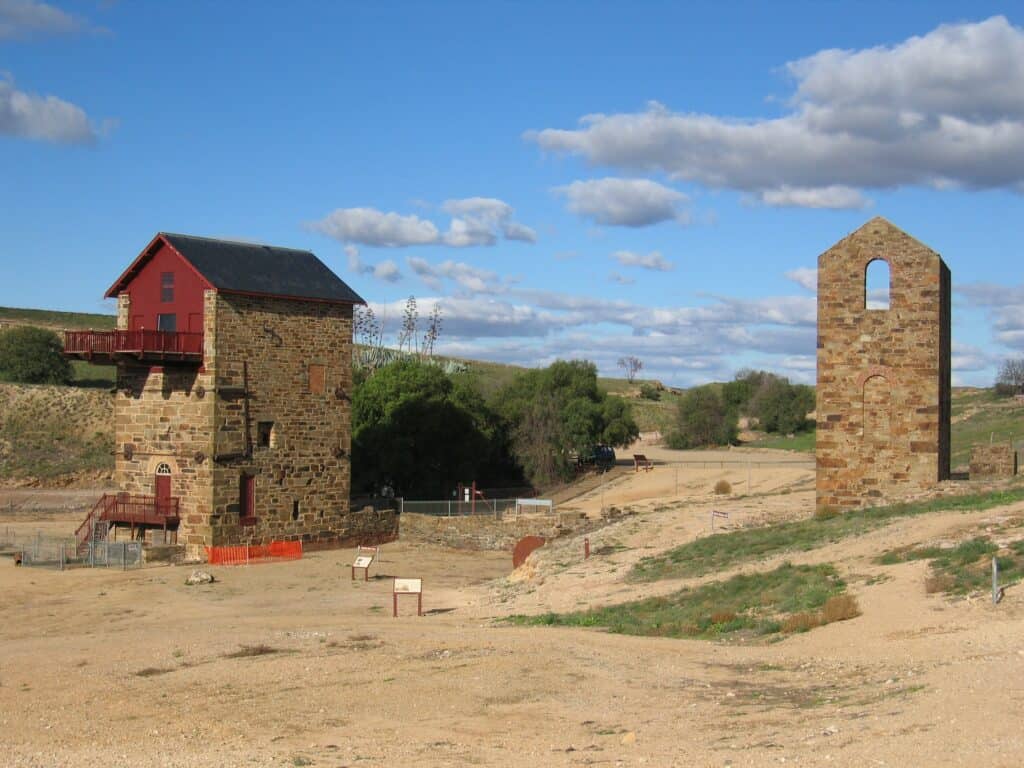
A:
<point x="35" y="549"/>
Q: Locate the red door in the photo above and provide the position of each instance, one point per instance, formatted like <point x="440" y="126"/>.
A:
<point x="247" y="498"/>
<point x="163" y="492"/>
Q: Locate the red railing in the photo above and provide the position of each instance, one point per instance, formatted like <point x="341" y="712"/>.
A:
<point x="138" y="342"/>
<point x="244" y="554"/>
<point x="84" y="532"/>
<point x="125" y="508"/>
<point x="142" y="509"/>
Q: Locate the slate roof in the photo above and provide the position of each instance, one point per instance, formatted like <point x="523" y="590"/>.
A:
<point x="236" y="267"/>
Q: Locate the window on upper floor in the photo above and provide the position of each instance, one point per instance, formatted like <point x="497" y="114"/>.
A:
<point x="876" y="285"/>
<point x="166" y="287"/>
<point x="265" y="436"/>
<point x="167" y="323"/>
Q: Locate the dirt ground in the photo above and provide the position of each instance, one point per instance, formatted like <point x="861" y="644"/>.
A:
<point x="294" y="664"/>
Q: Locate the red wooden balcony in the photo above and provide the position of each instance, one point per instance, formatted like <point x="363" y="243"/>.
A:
<point x="150" y="346"/>
<point x="131" y="510"/>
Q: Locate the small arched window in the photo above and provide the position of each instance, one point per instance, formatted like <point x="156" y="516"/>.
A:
<point x="876" y="284"/>
<point x="163" y="468"/>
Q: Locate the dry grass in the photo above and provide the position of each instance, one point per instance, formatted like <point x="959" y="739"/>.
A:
<point x="152" y="672"/>
<point x="802" y="622"/>
<point x="723" y="488"/>
<point x="840" y="608"/>
<point x="836" y="608"/>
<point x="939" y="582"/>
<point x="248" y="651"/>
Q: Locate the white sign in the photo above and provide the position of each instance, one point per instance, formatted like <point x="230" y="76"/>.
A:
<point x="408" y="586"/>
<point x="363" y="561"/>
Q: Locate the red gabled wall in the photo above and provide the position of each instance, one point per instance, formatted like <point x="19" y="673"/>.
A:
<point x="145" y="292"/>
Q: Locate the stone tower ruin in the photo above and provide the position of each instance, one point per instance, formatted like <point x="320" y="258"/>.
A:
<point x="883" y="395"/>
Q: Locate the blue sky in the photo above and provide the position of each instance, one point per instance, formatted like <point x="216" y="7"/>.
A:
<point x="565" y="179"/>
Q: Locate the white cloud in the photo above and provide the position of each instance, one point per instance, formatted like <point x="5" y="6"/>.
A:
<point x="368" y="226"/>
<point x="1005" y="306"/>
<point x="623" y="202"/>
<point x="969" y="358"/>
<point x="805" y="277"/>
<point x="836" y="197"/>
<point x="386" y="270"/>
<point x="28" y="18"/>
<point x="944" y="109"/>
<point x="653" y="260"/>
<point x="475" y="221"/>
<point x="467" y="277"/>
<point x="44" y="118"/>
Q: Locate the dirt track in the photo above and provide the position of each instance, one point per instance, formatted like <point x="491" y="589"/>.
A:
<point x="916" y="680"/>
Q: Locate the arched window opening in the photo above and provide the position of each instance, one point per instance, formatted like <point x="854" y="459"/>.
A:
<point x="163" y="468"/>
<point x="876" y="285"/>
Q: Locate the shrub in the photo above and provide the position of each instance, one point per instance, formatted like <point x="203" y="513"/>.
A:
<point x="702" y="419"/>
<point x="30" y="355"/>
<point x="801" y="622"/>
<point x="650" y="391"/>
<point x="722" y="488"/>
<point x="840" y="608"/>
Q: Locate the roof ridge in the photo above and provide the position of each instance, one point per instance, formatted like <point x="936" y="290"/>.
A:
<point x="247" y="243"/>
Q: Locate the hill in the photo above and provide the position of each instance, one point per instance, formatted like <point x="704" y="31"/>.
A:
<point x="978" y="415"/>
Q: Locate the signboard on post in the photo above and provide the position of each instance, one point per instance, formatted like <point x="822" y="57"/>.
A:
<point x="715" y="513"/>
<point x="408" y="587"/>
<point x="363" y="561"/>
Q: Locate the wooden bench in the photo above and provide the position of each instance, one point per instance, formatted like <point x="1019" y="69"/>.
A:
<point x="642" y="462"/>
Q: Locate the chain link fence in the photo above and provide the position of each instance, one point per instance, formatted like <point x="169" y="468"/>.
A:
<point x="36" y="549"/>
<point x="496" y="508"/>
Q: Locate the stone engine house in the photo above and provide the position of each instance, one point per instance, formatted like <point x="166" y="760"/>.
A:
<point x="233" y="411"/>
<point x="883" y="394"/>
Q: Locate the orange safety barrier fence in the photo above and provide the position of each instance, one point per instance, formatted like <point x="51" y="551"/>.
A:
<point x="254" y="553"/>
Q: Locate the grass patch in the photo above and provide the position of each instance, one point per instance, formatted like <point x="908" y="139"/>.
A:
<point x="249" y="651"/>
<point x="86" y="374"/>
<point x="801" y="441"/>
<point x="58" y="320"/>
<point x="725" y="550"/>
<point x="748" y="604"/>
<point x="964" y="568"/>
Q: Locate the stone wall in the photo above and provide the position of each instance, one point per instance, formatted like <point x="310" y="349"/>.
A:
<point x="883" y="388"/>
<point x="483" y="531"/>
<point x="283" y="371"/>
<point x="162" y="415"/>
<point x="993" y="461"/>
<point x="271" y="401"/>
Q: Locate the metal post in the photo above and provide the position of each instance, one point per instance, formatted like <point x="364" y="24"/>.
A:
<point x="995" y="581"/>
<point x="586" y="548"/>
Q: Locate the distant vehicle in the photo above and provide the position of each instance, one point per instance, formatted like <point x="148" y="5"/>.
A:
<point x="600" y="456"/>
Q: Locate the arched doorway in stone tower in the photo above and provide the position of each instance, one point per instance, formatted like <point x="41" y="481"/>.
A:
<point x="162" y="485"/>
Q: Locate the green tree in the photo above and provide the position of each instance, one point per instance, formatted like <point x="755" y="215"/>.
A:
<point x="703" y="419"/>
<point x="33" y="356"/>
<point x="420" y="433"/>
<point x="557" y="412"/>
<point x="782" y="407"/>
